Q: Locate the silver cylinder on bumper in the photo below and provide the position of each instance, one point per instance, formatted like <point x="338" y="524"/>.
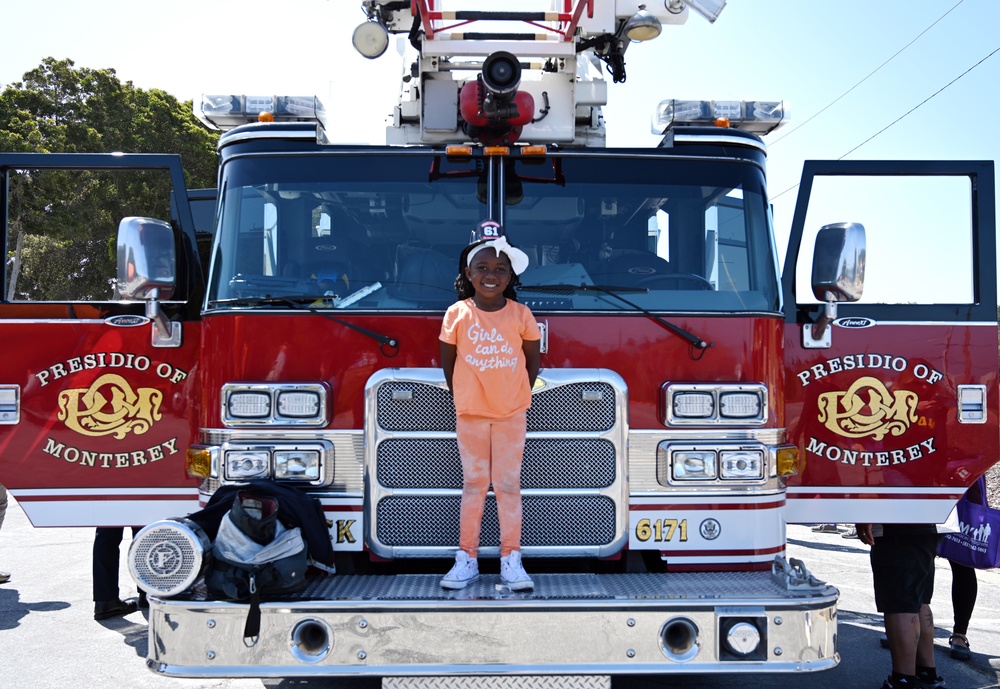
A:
<point x="311" y="640"/>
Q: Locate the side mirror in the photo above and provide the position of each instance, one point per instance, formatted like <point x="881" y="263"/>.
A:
<point x="838" y="274"/>
<point x="147" y="262"/>
<point x="147" y="271"/>
<point x="838" y="271"/>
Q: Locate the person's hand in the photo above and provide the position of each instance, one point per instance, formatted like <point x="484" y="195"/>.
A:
<point x="865" y="533"/>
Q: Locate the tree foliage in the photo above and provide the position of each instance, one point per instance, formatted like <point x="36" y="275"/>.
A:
<point x="61" y="225"/>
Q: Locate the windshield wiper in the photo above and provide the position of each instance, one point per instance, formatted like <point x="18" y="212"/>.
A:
<point x="292" y="301"/>
<point x="389" y="346"/>
<point x="613" y="291"/>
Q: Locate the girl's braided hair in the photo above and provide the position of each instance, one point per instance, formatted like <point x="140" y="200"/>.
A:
<point x="464" y="287"/>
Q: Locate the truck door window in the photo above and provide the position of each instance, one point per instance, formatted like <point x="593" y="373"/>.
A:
<point x="62" y="229"/>
<point x="919" y="236"/>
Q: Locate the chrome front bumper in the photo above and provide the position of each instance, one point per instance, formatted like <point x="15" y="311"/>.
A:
<point x="571" y="624"/>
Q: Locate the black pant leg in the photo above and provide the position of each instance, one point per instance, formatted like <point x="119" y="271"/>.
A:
<point x="107" y="542"/>
<point x="964" y="590"/>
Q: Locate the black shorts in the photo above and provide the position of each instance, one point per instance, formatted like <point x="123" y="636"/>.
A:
<point x="903" y="570"/>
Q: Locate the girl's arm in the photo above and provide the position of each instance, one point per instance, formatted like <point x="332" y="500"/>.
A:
<point x="532" y="358"/>
<point x="449" y="353"/>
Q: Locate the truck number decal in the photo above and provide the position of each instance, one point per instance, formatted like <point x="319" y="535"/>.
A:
<point x="662" y="530"/>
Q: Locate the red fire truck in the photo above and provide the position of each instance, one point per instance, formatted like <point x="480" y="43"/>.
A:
<point x="696" y="393"/>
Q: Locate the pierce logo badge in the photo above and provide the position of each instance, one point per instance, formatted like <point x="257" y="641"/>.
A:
<point x="854" y="322"/>
<point x="126" y="321"/>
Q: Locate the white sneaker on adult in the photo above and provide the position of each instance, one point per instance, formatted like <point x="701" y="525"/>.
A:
<point x="462" y="573"/>
<point x="512" y="572"/>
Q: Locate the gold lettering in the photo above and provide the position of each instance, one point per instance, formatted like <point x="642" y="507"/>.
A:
<point x="344" y="534"/>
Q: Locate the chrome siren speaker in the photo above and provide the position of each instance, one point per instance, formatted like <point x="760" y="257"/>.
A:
<point x="167" y="557"/>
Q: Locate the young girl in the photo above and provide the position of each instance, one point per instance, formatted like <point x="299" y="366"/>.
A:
<point x="490" y="348"/>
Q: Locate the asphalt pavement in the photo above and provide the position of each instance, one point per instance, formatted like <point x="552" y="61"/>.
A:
<point x="49" y="639"/>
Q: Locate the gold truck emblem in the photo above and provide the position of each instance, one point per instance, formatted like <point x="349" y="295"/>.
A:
<point x="110" y="407"/>
<point x="886" y="412"/>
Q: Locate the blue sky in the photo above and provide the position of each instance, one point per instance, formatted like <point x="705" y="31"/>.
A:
<point x="807" y="52"/>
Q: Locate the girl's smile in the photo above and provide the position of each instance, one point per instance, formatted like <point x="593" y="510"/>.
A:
<point x="490" y="275"/>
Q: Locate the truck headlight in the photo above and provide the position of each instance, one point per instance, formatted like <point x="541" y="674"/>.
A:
<point x="243" y="464"/>
<point x="249" y="405"/>
<point x="693" y="405"/>
<point x="297" y="465"/>
<point x="298" y="404"/>
<point x="285" y="404"/>
<point x="308" y="462"/>
<point x="694" y="465"/>
<point x="741" y="464"/>
<point x="724" y="404"/>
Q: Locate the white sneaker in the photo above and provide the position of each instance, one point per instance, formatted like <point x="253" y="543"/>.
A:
<point x="512" y="572"/>
<point x="462" y="573"/>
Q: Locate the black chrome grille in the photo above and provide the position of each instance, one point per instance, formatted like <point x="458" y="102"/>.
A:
<point x="548" y="463"/>
<point x="574" y="499"/>
<point x="433" y="521"/>
<point x="579" y="407"/>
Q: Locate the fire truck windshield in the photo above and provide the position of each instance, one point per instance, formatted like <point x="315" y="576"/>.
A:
<point x="383" y="231"/>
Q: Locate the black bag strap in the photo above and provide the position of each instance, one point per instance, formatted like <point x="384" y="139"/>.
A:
<point x="251" y="630"/>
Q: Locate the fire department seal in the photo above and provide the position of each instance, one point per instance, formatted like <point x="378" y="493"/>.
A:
<point x="710" y="529"/>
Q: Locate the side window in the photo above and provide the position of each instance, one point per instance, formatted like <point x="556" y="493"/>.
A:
<point x="918" y="232"/>
<point x="62" y="228"/>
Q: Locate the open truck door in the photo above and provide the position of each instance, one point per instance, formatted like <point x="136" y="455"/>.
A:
<point x="891" y="339"/>
<point x="99" y="321"/>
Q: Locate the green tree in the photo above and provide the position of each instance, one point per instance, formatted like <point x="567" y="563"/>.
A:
<point x="61" y="225"/>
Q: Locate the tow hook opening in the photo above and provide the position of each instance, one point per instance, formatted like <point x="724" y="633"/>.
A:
<point x="311" y="640"/>
<point x="679" y="639"/>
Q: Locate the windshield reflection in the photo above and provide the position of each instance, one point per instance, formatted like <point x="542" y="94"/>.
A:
<point x="381" y="233"/>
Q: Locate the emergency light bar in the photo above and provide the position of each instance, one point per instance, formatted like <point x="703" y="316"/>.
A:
<point x="756" y="116"/>
<point x="227" y="111"/>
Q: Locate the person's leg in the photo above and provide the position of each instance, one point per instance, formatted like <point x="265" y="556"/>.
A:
<point x="964" y="590"/>
<point x="902" y="572"/>
<point x="107" y="541"/>
<point x="925" y="638"/>
<point x="507" y="443"/>
<point x="903" y="631"/>
<point x="473" y="437"/>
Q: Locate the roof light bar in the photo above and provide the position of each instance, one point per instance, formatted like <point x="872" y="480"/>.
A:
<point x="227" y="111"/>
<point x="756" y="116"/>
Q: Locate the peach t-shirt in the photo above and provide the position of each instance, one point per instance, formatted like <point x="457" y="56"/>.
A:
<point x="491" y="378"/>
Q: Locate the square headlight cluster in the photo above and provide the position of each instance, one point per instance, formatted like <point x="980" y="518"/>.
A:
<point x="738" y="404"/>
<point x="287" y="404"/>
<point x="677" y="463"/>
<point x="299" y="462"/>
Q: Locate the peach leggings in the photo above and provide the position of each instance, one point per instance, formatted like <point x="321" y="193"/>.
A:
<point x="491" y="451"/>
